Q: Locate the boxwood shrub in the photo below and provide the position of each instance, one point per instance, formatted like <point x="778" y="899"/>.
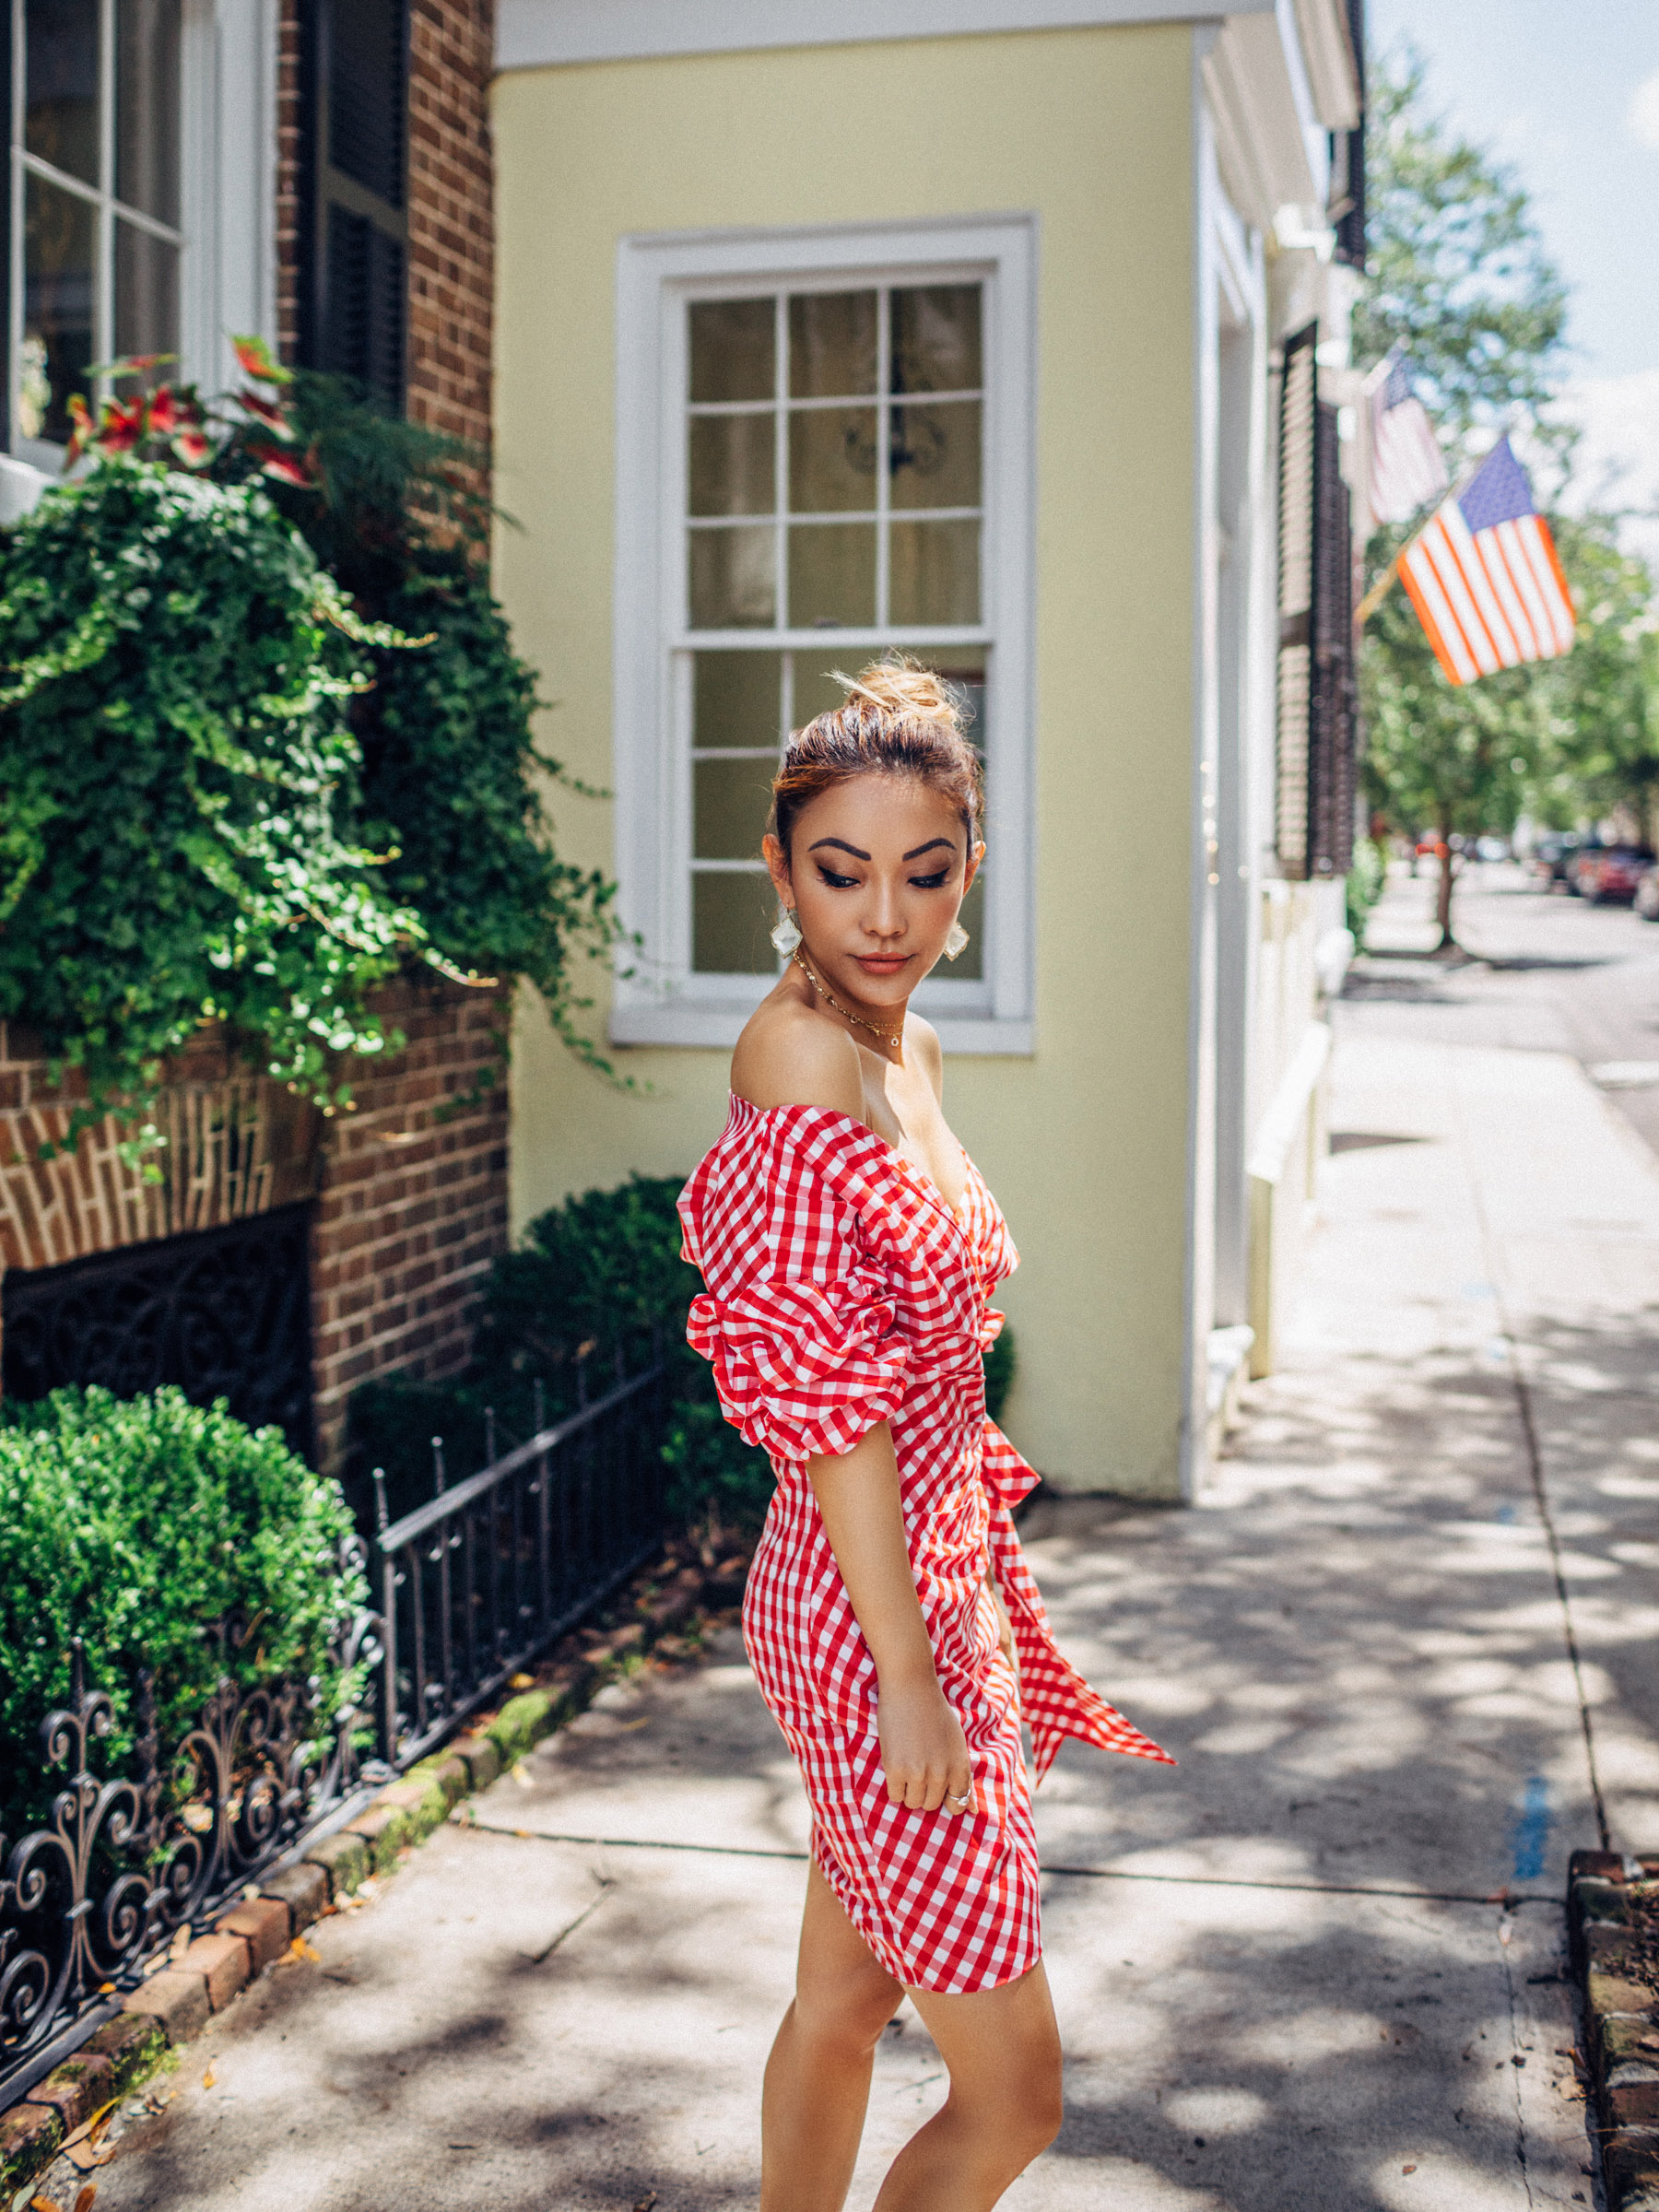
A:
<point x="136" y="1524"/>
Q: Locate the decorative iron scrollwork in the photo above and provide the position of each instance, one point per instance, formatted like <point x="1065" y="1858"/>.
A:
<point x="128" y="1860"/>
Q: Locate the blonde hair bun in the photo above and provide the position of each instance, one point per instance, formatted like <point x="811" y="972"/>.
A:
<point x="902" y="690"/>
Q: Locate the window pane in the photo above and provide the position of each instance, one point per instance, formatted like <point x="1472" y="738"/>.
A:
<point x="831" y="344"/>
<point x="61" y="100"/>
<point x="832" y="574"/>
<point x="933" y="573"/>
<point x="732" y="584"/>
<point x="731" y="917"/>
<point x="934" y="455"/>
<point x="146" y="106"/>
<point x="734" y="345"/>
<point x="815" y="689"/>
<point x="57" y="306"/>
<point x="733" y="464"/>
<point x="147" y="292"/>
<point x="935" y="338"/>
<point x="832" y="460"/>
<point x="737" y="698"/>
<point x="730" y="802"/>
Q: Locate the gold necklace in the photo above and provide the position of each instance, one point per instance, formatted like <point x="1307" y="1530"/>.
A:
<point x="893" y="1043"/>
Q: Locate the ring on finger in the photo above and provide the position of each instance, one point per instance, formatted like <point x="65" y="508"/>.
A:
<point x="961" y="1803"/>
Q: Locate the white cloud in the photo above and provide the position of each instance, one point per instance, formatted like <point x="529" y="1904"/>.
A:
<point x="1642" y="121"/>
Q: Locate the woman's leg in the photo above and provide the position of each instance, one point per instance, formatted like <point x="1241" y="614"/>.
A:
<point x="1001" y="2048"/>
<point x="817" y="2079"/>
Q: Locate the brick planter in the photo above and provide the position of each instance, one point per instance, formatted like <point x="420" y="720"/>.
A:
<point x="1613" y="1925"/>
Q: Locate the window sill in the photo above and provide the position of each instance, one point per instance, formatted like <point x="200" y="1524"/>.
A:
<point x="715" y="1026"/>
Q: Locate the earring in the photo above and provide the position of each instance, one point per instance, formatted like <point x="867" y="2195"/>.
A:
<point x="786" y="933"/>
<point x="955" y="942"/>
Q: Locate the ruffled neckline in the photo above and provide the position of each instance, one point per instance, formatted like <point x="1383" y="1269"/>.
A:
<point x="925" y="1186"/>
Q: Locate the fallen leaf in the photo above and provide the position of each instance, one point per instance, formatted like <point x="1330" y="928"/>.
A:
<point x="646" y="2202"/>
<point x="208" y="2079"/>
<point x="83" y="2203"/>
<point x="522" y="1775"/>
<point x="44" y="2204"/>
<point x="299" y="1948"/>
<point x="522" y="1682"/>
<point x="1409" y="2170"/>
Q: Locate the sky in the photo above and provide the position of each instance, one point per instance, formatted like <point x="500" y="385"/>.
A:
<point x="1567" y="93"/>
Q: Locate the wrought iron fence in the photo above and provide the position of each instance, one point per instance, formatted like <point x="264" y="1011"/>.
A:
<point x="491" y="1571"/>
<point x="129" y="1860"/>
<point x="473" y="1584"/>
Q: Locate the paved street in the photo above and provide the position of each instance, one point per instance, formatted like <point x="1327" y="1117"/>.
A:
<point x="1399" y="1650"/>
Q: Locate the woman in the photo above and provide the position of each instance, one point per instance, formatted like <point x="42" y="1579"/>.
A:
<point x="848" y="1248"/>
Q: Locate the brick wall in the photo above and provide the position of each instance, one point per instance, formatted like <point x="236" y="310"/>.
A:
<point x="451" y="209"/>
<point x="452" y="216"/>
<point x="412" y="1209"/>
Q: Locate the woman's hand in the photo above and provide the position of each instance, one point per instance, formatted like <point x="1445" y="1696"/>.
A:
<point x="923" y="1751"/>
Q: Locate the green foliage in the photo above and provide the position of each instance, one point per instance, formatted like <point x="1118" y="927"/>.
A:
<point x="452" y="776"/>
<point x="234" y="785"/>
<point x="1601" y="702"/>
<point x="1364" y="885"/>
<point x="177" y="831"/>
<point x="1459" y="275"/>
<point x="132" y="1525"/>
<point x="1000" y="1365"/>
<point x="599" y="1276"/>
<point x="1458" y="271"/>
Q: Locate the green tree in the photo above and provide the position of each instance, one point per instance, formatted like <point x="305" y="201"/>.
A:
<point x="1458" y="274"/>
<point x="1460" y="277"/>
<point x="1600" y="739"/>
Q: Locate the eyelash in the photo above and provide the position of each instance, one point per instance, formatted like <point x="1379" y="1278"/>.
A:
<point x="843" y="883"/>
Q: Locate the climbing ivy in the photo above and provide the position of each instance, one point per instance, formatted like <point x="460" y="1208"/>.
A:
<point x="264" y="740"/>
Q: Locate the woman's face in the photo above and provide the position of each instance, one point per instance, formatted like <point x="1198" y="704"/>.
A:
<point x="877" y="869"/>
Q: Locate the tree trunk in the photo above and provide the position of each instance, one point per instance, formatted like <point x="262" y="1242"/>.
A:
<point x="1442" y="905"/>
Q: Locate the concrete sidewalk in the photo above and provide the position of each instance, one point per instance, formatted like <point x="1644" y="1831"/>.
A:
<point x="1284" y="1976"/>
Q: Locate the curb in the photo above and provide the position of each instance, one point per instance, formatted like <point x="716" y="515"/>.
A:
<point x="1613" y="1929"/>
<point x="185" y="1990"/>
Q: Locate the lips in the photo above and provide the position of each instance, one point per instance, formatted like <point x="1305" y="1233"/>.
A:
<point x="875" y="966"/>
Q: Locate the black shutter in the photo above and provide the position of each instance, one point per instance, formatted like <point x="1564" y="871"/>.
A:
<point x="1317" y="717"/>
<point x="353" y="262"/>
<point x="1347" y="161"/>
<point x="1298" y="403"/>
<point x="1331" y="704"/>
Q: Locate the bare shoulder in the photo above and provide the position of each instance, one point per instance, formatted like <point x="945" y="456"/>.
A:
<point x="788" y="1055"/>
<point x="923" y="1039"/>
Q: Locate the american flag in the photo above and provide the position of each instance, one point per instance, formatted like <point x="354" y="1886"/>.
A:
<point x="1407" y="470"/>
<point x="1483" y="576"/>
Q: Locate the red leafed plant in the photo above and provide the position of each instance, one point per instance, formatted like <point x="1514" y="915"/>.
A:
<point x="172" y="422"/>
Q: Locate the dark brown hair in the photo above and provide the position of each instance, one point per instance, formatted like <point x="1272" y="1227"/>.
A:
<point x="901" y="719"/>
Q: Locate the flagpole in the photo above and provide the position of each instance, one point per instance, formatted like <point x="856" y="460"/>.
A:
<point x="1378" y="593"/>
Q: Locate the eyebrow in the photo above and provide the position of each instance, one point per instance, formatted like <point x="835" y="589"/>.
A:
<point x="915" y="853"/>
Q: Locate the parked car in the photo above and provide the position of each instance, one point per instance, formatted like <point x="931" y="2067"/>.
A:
<point x="1552" y="855"/>
<point x="1607" y="873"/>
<point x="1646" y="900"/>
<point x="1491" y="848"/>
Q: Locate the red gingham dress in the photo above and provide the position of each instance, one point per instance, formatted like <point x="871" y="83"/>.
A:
<point x="841" y="1290"/>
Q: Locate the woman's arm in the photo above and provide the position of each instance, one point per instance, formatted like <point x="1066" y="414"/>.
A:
<point x="923" y="1751"/>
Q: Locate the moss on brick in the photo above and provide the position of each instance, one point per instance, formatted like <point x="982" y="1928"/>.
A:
<point x="523" y="1722"/>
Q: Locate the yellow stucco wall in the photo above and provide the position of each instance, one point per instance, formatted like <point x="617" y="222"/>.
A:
<point x="1083" y="1143"/>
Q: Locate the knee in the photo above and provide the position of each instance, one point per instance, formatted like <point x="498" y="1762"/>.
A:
<point x="847" y="2011"/>
<point x="1026" y="2112"/>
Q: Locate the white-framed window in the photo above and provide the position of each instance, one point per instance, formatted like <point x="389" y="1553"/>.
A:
<point x="824" y="450"/>
<point x="140" y="196"/>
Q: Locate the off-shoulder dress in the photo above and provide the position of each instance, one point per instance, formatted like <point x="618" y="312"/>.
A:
<point x="842" y="1291"/>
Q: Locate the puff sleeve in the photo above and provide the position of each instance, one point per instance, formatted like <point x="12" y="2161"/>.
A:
<point x="799" y="1320"/>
